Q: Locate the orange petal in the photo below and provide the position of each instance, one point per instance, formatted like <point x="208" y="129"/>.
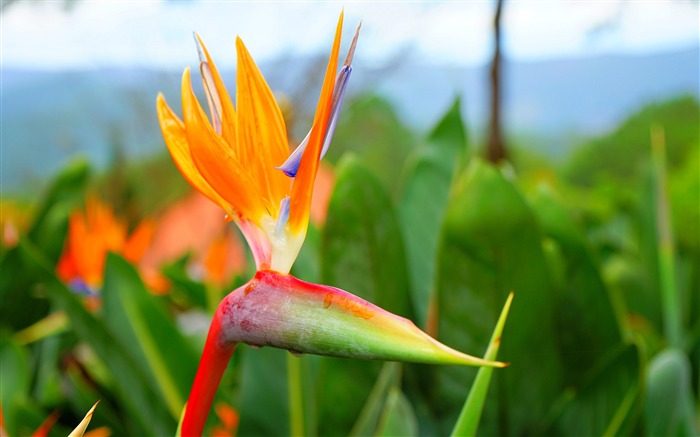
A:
<point x="228" y="415"/>
<point x="66" y="268"/>
<point x="176" y="139"/>
<point x="216" y="160"/>
<point x="262" y="135"/>
<point x="139" y="241"/>
<point x="45" y="427"/>
<point x="304" y="180"/>
<point x="87" y="249"/>
<point x="225" y="105"/>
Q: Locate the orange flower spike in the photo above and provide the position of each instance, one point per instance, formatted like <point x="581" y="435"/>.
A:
<point x="139" y="241"/>
<point x="300" y="203"/>
<point x="92" y="233"/>
<point x="221" y="108"/>
<point x="262" y="135"/>
<point x="175" y="136"/>
<point x="214" y="158"/>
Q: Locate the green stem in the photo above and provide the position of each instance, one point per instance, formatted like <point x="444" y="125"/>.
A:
<point x="669" y="297"/>
<point x="296" y="399"/>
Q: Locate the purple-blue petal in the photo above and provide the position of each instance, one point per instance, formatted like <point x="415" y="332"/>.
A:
<point x="290" y="167"/>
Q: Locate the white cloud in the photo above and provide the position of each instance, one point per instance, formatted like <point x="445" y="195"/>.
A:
<point x="155" y="33"/>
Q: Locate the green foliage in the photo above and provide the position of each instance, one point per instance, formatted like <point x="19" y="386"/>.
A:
<point x="624" y="154"/>
<point x="429" y="173"/>
<point x="371" y="130"/>
<point x="427" y="233"/>
<point x="669" y="404"/>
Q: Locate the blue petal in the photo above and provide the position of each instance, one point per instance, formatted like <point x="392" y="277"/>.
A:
<point x="80" y="287"/>
<point x="291" y="165"/>
<point x="283" y="217"/>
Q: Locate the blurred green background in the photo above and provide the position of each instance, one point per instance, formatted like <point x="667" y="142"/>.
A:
<point x="592" y="219"/>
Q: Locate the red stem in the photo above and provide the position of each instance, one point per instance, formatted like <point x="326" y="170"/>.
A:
<point x="215" y="357"/>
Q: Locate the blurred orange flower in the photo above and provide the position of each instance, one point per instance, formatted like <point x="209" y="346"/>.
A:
<point x="92" y="233"/>
<point x="194" y="225"/>
<point x="228" y="416"/>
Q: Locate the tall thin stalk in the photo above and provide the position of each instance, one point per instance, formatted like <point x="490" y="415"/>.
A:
<point x="666" y="252"/>
<point x="296" y="398"/>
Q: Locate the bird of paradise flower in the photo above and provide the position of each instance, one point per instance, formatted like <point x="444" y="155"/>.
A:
<point x="92" y="233"/>
<point x="239" y="160"/>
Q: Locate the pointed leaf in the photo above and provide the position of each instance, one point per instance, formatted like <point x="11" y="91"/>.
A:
<point x="362" y="249"/>
<point x="144" y="327"/>
<point x="585" y="317"/>
<point x="468" y="421"/>
<point x="490" y="245"/>
<point x="429" y="173"/>
<point x="398" y="418"/>
<point x="82" y="426"/>
<point x="368" y="419"/>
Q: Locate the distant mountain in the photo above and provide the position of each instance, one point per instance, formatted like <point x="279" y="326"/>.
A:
<point x="49" y="116"/>
<point x="585" y="96"/>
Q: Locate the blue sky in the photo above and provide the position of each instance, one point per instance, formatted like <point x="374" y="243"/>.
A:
<point x="95" y="34"/>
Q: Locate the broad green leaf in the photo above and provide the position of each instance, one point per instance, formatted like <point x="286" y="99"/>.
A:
<point x="361" y="252"/>
<point x="368" y="419"/>
<point x="491" y="245"/>
<point x="48" y="383"/>
<point x="131" y="385"/>
<point x="608" y="399"/>
<point x="144" y="327"/>
<point x="468" y="421"/>
<point x="398" y="418"/>
<point x="668" y="407"/>
<point x="67" y="192"/>
<point x="20" y="304"/>
<point x="15" y="376"/>
<point x="264" y="400"/>
<point x="184" y="288"/>
<point x="584" y="316"/>
<point x="429" y="173"/>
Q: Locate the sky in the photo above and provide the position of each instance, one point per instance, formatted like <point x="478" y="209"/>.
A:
<point x="45" y="34"/>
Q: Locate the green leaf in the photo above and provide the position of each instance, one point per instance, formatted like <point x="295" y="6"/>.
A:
<point x="15" y="376"/>
<point x="491" y="245"/>
<point x="263" y="392"/>
<point x="608" y="398"/>
<point x="362" y="252"/>
<point x="430" y="171"/>
<point x="585" y="319"/>
<point x="132" y="388"/>
<point x="67" y="192"/>
<point x="668" y="408"/>
<point x="184" y="288"/>
<point x="142" y="324"/>
<point x="398" y="418"/>
<point x="84" y="393"/>
<point x="19" y="304"/>
<point x="368" y="419"/>
<point x="468" y="421"/>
